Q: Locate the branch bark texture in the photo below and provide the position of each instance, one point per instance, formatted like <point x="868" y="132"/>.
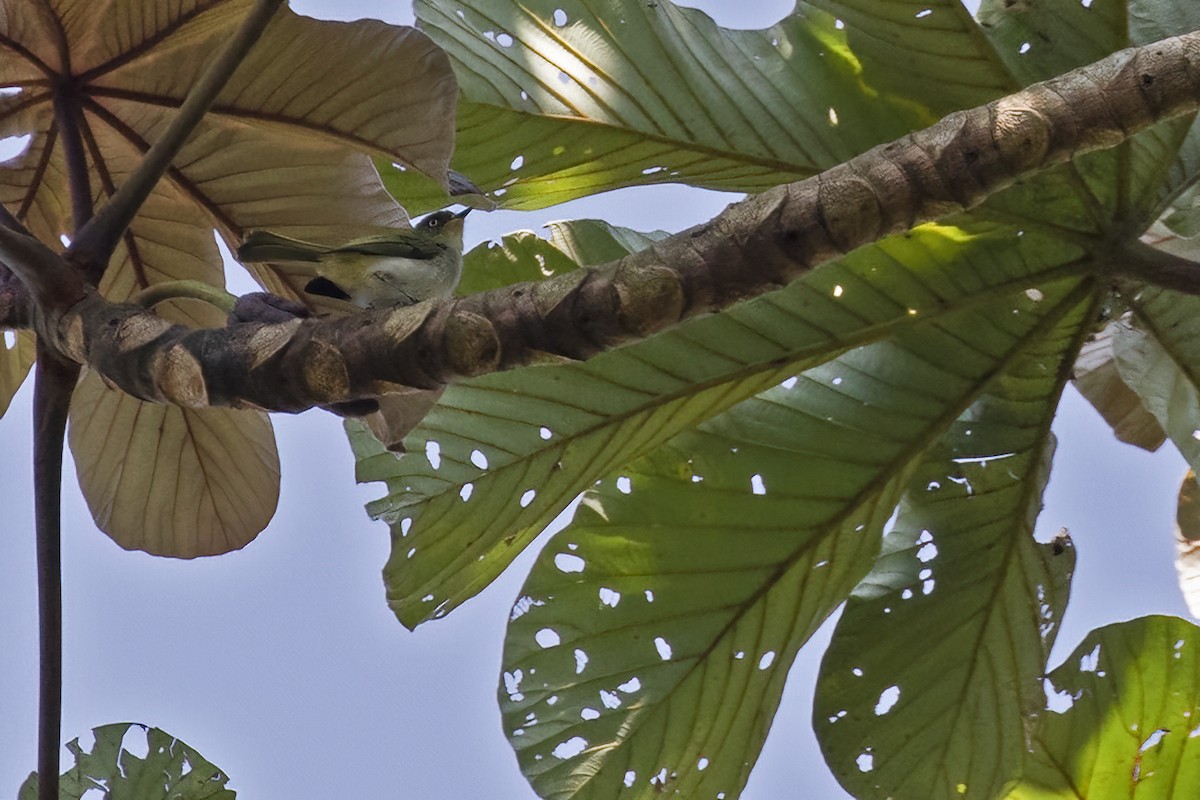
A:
<point x="753" y="247"/>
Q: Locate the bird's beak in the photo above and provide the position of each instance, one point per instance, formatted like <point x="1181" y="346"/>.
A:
<point x="454" y="225"/>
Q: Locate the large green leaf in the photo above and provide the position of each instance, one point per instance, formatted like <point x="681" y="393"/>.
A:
<point x="505" y="453"/>
<point x="563" y="98"/>
<point x="171" y="770"/>
<point x="651" y="642"/>
<point x="1130" y="728"/>
<point x="962" y="575"/>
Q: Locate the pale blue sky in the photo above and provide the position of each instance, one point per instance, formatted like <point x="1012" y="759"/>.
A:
<point x="283" y="664"/>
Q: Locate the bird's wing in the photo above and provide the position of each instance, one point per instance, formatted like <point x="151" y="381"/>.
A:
<point x="326" y="288"/>
<point x="266" y="246"/>
<point x="392" y="245"/>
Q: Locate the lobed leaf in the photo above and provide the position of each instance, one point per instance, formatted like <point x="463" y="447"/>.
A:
<point x="961" y="574"/>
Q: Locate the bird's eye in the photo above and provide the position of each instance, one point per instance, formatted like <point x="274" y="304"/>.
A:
<point x="433" y="223"/>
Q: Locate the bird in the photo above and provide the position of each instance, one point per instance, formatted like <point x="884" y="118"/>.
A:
<point x="401" y="267"/>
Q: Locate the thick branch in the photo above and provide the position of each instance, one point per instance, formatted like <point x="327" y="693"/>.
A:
<point x="49" y="279"/>
<point x="753" y="247"/>
<point x="98" y="239"/>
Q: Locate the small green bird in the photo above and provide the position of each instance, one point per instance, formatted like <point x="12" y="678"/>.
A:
<point x="401" y="267"/>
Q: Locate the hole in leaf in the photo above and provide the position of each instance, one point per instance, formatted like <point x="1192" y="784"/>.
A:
<point x="887" y="700"/>
<point x="433" y="452"/>
<point x="12" y="147"/>
<point x="663" y="647"/>
<point x="570" y="748"/>
<point x="566" y="562"/>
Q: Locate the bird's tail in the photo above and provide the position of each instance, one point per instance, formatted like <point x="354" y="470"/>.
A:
<point x="267" y="246"/>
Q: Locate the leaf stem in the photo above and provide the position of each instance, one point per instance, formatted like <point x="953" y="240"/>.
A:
<point x="66" y="116"/>
<point x="1145" y="264"/>
<point x="193" y="290"/>
<point x="54" y="380"/>
<point x="8" y="220"/>
<point x="99" y="237"/>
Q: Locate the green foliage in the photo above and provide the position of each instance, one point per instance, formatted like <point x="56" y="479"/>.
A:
<point x="1130" y="728"/>
<point x="701" y="572"/>
<point x="171" y="769"/>
<point x="565" y="98"/>
<point x="738" y="470"/>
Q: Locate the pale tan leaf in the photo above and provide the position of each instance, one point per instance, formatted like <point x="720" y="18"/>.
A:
<point x="244" y="179"/>
<point x="33" y="183"/>
<point x="399" y="413"/>
<point x="33" y="25"/>
<point x="1187" y="542"/>
<point x="377" y="88"/>
<point x="16" y="357"/>
<point x="172" y="481"/>
<point x="1097" y="379"/>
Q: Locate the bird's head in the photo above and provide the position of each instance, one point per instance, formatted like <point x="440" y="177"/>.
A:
<point x="446" y="226"/>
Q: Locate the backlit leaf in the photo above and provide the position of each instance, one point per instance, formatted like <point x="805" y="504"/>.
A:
<point x="171" y="770"/>
<point x="649" y="647"/>
<point x="961" y="575"/>
<point x="1129" y="728"/>
<point x="564" y="98"/>
<point x="173" y="481"/>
